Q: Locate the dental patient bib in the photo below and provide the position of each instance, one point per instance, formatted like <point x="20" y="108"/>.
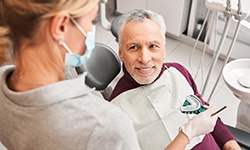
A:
<point x="154" y="110"/>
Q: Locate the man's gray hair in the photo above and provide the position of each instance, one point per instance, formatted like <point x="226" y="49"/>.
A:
<point x="140" y="15"/>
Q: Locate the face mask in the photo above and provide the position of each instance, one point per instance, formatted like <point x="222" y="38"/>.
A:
<point x="75" y="60"/>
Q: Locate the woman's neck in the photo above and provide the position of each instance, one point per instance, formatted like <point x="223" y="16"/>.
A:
<point x="36" y="68"/>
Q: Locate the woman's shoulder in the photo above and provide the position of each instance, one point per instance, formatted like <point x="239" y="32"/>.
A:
<point x="5" y="71"/>
<point x="8" y="67"/>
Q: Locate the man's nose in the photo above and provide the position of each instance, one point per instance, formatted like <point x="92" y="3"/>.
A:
<point x="144" y="56"/>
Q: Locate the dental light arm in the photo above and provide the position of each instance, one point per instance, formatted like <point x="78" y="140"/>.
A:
<point x="106" y="24"/>
<point x="104" y="21"/>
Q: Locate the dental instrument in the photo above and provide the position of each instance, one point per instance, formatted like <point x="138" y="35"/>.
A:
<point x="224" y="107"/>
<point x="200" y="66"/>
<point x="238" y="17"/>
<point x="228" y="15"/>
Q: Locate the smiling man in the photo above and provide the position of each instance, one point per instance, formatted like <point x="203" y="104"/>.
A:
<point x="142" y="50"/>
<point x="151" y="92"/>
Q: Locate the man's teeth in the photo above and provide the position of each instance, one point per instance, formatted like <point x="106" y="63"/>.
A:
<point x="145" y="69"/>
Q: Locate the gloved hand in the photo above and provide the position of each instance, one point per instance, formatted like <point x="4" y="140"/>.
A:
<point x="200" y="124"/>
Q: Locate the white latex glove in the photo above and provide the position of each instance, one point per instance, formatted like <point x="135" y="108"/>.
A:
<point x="200" y="124"/>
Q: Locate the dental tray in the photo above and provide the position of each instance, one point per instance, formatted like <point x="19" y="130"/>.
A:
<point x="192" y="105"/>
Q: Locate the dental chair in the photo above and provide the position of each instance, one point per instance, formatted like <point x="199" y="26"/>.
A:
<point x="242" y="137"/>
<point x="102" y="67"/>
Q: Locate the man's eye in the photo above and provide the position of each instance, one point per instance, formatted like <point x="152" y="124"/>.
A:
<point x="133" y="47"/>
<point x="153" y="46"/>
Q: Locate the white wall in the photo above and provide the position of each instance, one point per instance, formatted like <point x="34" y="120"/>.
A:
<point x="174" y="12"/>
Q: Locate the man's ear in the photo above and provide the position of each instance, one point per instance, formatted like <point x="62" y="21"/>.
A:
<point x="120" y="55"/>
<point x="59" y="25"/>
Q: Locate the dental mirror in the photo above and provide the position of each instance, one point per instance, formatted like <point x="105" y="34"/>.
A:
<point x="244" y="81"/>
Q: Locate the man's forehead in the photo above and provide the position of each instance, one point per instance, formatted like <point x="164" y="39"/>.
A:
<point x="138" y="42"/>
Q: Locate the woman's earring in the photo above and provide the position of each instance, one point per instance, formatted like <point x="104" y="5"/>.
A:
<point x="61" y="41"/>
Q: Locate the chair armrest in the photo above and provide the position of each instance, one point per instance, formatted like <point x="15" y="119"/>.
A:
<point x="242" y="137"/>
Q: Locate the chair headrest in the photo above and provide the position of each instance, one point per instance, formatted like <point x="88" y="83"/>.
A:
<point x="114" y="27"/>
<point x="102" y="67"/>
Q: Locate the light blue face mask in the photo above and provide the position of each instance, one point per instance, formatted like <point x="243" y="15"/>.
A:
<point x="75" y="60"/>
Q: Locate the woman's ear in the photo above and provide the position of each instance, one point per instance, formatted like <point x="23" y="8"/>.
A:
<point x="59" y="25"/>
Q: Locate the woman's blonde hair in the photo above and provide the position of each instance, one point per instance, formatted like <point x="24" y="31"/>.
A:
<point x="20" y="18"/>
<point x="4" y="43"/>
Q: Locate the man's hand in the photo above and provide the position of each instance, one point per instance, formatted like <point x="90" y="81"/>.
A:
<point x="231" y="145"/>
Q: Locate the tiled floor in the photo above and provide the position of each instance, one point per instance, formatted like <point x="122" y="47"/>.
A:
<point x="180" y="52"/>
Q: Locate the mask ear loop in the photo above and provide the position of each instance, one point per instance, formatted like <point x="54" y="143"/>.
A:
<point x="61" y="42"/>
<point x="78" y="26"/>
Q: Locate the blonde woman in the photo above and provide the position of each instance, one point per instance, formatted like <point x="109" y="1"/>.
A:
<point x="39" y="109"/>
